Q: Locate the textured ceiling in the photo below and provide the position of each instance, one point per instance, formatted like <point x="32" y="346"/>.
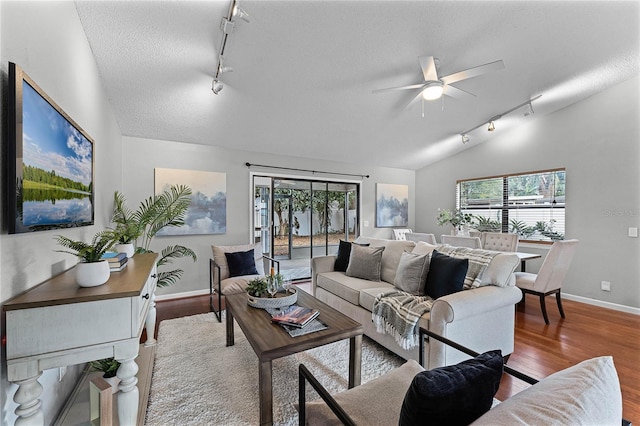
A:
<point x="304" y="70"/>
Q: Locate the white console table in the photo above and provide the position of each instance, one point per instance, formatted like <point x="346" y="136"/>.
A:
<point x="58" y="323"/>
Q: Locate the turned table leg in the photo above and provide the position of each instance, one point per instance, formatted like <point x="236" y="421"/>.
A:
<point x="128" y="394"/>
<point x="150" y="323"/>
<point x="27" y="397"/>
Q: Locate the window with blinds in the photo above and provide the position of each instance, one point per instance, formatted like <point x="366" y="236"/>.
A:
<point x="529" y="204"/>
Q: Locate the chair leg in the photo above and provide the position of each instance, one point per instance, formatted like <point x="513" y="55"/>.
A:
<point x="559" y="300"/>
<point x="543" y="306"/>
<point x="217" y="313"/>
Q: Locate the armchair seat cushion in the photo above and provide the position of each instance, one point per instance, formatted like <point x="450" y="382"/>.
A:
<point x="375" y="403"/>
<point x="235" y="285"/>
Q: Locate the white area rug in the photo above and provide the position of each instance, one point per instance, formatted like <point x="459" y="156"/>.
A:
<point x="197" y="380"/>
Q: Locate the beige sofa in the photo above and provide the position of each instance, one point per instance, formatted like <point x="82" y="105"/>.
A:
<point x="480" y="318"/>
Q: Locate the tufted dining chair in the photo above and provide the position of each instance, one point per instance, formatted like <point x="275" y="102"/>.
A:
<point x="499" y="241"/>
<point x="399" y="234"/>
<point x="551" y="275"/>
<point x="460" y="241"/>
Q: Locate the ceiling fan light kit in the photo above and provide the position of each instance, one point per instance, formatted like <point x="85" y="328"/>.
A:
<point x="227" y="26"/>
<point x="432" y="91"/>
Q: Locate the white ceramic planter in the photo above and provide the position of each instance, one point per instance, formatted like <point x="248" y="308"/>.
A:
<point x="128" y="249"/>
<point x="92" y="274"/>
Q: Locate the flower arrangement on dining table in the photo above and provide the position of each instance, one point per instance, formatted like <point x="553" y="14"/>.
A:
<point x="457" y="219"/>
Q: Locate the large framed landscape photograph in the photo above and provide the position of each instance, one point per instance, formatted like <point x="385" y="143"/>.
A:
<point x="392" y="205"/>
<point x="207" y="213"/>
<point x="49" y="163"/>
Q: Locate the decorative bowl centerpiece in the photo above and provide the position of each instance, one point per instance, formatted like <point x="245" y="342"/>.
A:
<point x="278" y="297"/>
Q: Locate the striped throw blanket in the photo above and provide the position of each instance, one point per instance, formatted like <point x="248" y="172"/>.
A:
<point x="478" y="261"/>
<point x="397" y="313"/>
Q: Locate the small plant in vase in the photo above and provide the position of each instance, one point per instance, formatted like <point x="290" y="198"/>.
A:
<point x="109" y="368"/>
<point x="127" y="228"/>
<point x="456" y="219"/>
<point x="92" y="270"/>
<point x="257" y="287"/>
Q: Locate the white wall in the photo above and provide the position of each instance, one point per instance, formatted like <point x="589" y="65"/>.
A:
<point x="598" y="142"/>
<point x="143" y="155"/>
<point x="47" y="41"/>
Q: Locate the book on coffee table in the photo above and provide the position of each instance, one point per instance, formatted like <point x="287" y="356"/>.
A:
<point x="296" y="316"/>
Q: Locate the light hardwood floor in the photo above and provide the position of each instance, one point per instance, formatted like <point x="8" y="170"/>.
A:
<point x="586" y="332"/>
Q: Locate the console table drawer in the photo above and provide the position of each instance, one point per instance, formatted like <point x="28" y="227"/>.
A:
<point x="53" y="328"/>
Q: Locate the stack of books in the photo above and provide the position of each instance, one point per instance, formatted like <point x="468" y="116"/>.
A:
<point x="295" y="316"/>
<point x="117" y="261"/>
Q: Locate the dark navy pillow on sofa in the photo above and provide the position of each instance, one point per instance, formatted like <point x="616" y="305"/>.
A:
<point x="453" y="395"/>
<point x="446" y="275"/>
<point x="241" y="263"/>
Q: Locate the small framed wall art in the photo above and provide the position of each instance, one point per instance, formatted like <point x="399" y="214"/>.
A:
<point x="392" y="205"/>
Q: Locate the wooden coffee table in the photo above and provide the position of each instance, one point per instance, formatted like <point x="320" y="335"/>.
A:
<point x="270" y="341"/>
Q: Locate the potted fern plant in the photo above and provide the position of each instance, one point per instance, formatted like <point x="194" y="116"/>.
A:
<point x="153" y="214"/>
<point x="109" y="368"/>
<point x="92" y="270"/>
<point x="127" y="228"/>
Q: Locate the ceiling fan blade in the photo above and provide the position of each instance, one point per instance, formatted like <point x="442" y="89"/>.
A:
<point x="413" y="99"/>
<point x="428" y="65"/>
<point x="454" y="92"/>
<point x="473" y="72"/>
<point x="413" y="86"/>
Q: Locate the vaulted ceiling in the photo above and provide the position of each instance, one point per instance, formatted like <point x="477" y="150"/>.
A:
<point x="304" y="70"/>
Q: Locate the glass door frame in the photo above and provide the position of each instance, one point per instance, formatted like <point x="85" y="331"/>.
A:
<point x="311" y="179"/>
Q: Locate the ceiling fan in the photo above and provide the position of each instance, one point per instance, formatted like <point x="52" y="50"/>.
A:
<point x="434" y="86"/>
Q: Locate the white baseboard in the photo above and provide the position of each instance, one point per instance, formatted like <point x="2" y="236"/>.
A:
<point x="182" y="295"/>
<point x="602" y="304"/>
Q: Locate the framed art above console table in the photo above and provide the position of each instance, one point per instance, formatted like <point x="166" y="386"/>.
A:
<point x="58" y="323"/>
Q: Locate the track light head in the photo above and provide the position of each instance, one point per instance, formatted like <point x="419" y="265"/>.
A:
<point x="529" y="111"/>
<point x="222" y="68"/>
<point x="216" y="86"/>
<point x="227" y="26"/>
<point x="465" y="138"/>
<point x="241" y="13"/>
<point x="491" y="127"/>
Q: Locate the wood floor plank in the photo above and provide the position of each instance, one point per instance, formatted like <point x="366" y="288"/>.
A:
<point x="540" y="349"/>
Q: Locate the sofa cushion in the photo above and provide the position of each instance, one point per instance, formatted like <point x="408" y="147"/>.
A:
<point x="500" y="271"/>
<point x="586" y="394"/>
<point x="412" y="272"/>
<point x="423" y="248"/>
<point x="342" y="258"/>
<point x="453" y="395"/>
<point x="393" y="249"/>
<point x="345" y="287"/>
<point x="241" y="263"/>
<point x="365" y="262"/>
<point x="365" y="404"/>
<point x="234" y="285"/>
<point x="446" y="275"/>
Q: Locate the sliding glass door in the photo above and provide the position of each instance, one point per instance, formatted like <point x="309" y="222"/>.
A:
<point x="305" y="218"/>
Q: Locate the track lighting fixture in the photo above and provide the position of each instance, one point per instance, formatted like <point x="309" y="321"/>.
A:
<point x="227" y="26"/>
<point x="240" y="13"/>
<point x="529" y="111"/>
<point x="222" y="68"/>
<point x="216" y="86"/>
<point x="491" y="121"/>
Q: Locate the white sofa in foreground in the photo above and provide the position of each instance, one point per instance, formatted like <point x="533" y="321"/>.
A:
<point x="481" y="318"/>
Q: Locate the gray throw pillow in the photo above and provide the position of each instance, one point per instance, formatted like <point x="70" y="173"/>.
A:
<point x="365" y="262"/>
<point x="411" y="275"/>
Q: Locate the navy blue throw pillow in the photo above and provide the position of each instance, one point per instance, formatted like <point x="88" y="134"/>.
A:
<point x="453" y="395"/>
<point x="446" y="275"/>
<point x="343" y="256"/>
<point x="241" y="263"/>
